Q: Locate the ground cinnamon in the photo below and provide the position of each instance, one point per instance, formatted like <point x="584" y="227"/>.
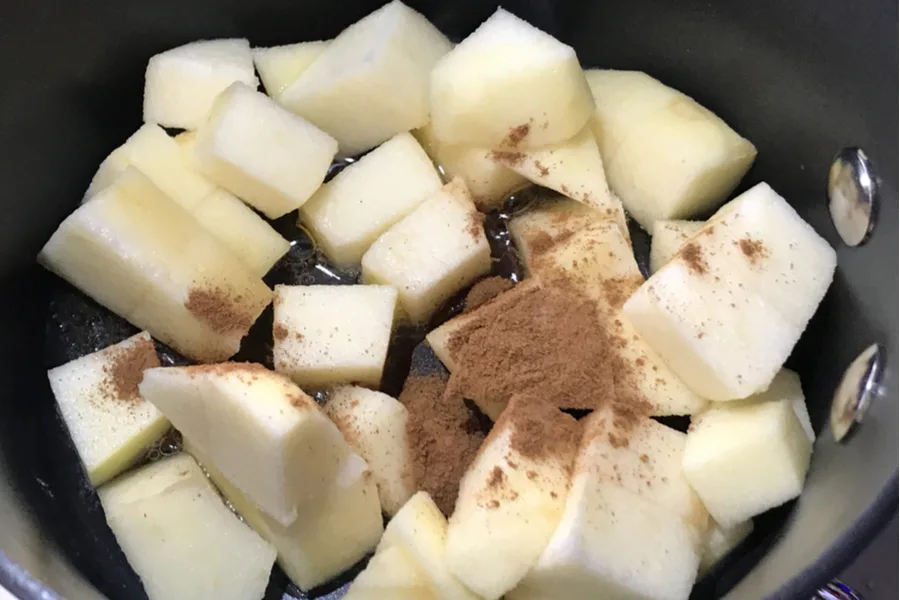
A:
<point x="218" y="309"/>
<point x="486" y="290"/>
<point x="443" y="435"/>
<point x="125" y="370"/>
<point x="546" y="340"/>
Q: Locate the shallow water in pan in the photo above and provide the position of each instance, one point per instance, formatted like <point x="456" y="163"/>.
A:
<point x="76" y="326"/>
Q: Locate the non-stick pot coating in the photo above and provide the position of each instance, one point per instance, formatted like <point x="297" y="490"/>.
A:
<point x="800" y="79"/>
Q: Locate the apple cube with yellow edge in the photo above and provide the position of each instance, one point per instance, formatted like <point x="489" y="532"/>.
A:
<point x="432" y="253"/>
<point x="489" y="182"/>
<point x="390" y="574"/>
<point x="181" y="84"/>
<point x="364" y="200"/>
<point x="477" y="100"/>
<point x="419" y="529"/>
<point x="332" y="335"/>
<point x="371" y="82"/>
<point x="110" y="425"/>
<point x="747" y="457"/>
<point x="180" y="538"/>
<point x="264" y="434"/>
<point x="155" y="154"/>
<point x="511" y="499"/>
<point x="668" y="238"/>
<point x="139" y="254"/>
<point x="268" y="157"/>
<point x="726" y="312"/>
<point x="280" y="66"/>
<point x="374" y="424"/>
<point x="328" y="536"/>
<point x="666" y="156"/>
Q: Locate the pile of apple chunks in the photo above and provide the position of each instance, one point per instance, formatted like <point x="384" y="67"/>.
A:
<point x="169" y="236"/>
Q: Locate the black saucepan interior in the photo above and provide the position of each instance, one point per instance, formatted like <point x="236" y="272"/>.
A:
<point x="801" y="80"/>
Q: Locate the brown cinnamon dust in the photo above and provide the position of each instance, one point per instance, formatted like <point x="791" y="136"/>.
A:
<point x="547" y="340"/>
<point x="486" y="290"/>
<point x="126" y="369"/>
<point x="443" y="437"/>
<point x="218" y="309"/>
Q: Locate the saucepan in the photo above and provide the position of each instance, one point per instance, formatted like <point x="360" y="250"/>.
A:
<point x="812" y="84"/>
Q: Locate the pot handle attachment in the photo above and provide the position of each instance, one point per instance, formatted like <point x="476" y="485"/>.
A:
<point x="836" y="590"/>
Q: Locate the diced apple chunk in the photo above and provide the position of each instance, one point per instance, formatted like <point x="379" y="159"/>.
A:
<point x="328" y="536"/>
<point x="260" y="430"/>
<point x="786" y="387"/>
<point x="567" y="238"/>
<point x="242" y="231"/>
<point x="142" y="256"/>
<point x="181" y="84"/>
<point x="374" y="424"/>
<point x="572" y="168"/>
<point x="721" y="541"/>
<point x="260" y="152"/>
<point x="420" y="530"/>
<point x="157" y="156"/>
<point x="349" y="212"/>
<point x="110" y="423"/>
<point x="329" y="335"/>
<point x="489" y="182"/>
<point x="477" y="100"/>
<point x="645" y="460"/>
<point x="612" y="540"/>
<point x="390" y="574"/>
<point x="280" y="66"/>
<point x="512" y="496"/>
<point x="726" y="313"/>
<point x="180" y="538"/>
<point x="432" y="253"/>
<point x="666" y="156"/>
<point x="668" y="238"/>
<point x="745" y="458"/>
<point x="371" y="83"/>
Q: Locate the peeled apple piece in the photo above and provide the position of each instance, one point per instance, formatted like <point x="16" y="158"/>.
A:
<point x="347" y="214"/>
<point x="432" y="253"/>
<point x="511" y="501"/>
<point x="727" y="311"/>
<point x="328" y="536"/>
<point x="181" y="84"/>
<point x="666" y="156"/>
<point x="110" y="426"/>
<point x="374" y="424"/>
<point x="477" y="100"/>
<point x="574" y="169"/>
<point x="612" y="540"/>
<point x="280" y="66"/>
<point x="745" y="458"/>
<point x="668" y="238"/>
<point x="180" y="538"/>
<point x="371" y="83"/>
<point x="489" y="182"/>
<point x="271" y="159"/>
<point x="419" y="530"/>
<point x="264" y="434"/>
<point x="155" y="154"/>
<point x="721" y="541"/>
<point x="139" y="254"/>
<point x="390" y="574"/>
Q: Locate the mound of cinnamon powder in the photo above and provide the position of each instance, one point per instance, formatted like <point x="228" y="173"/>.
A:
<point x="125" y="371"/>
<point x="546" y="339"/>
<point x="486" y="290"/>
<point x="443" y="436"/>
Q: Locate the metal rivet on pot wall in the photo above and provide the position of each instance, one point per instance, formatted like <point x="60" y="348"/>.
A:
<point x="853" y="195"/>
<point x="861" y="383"/>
